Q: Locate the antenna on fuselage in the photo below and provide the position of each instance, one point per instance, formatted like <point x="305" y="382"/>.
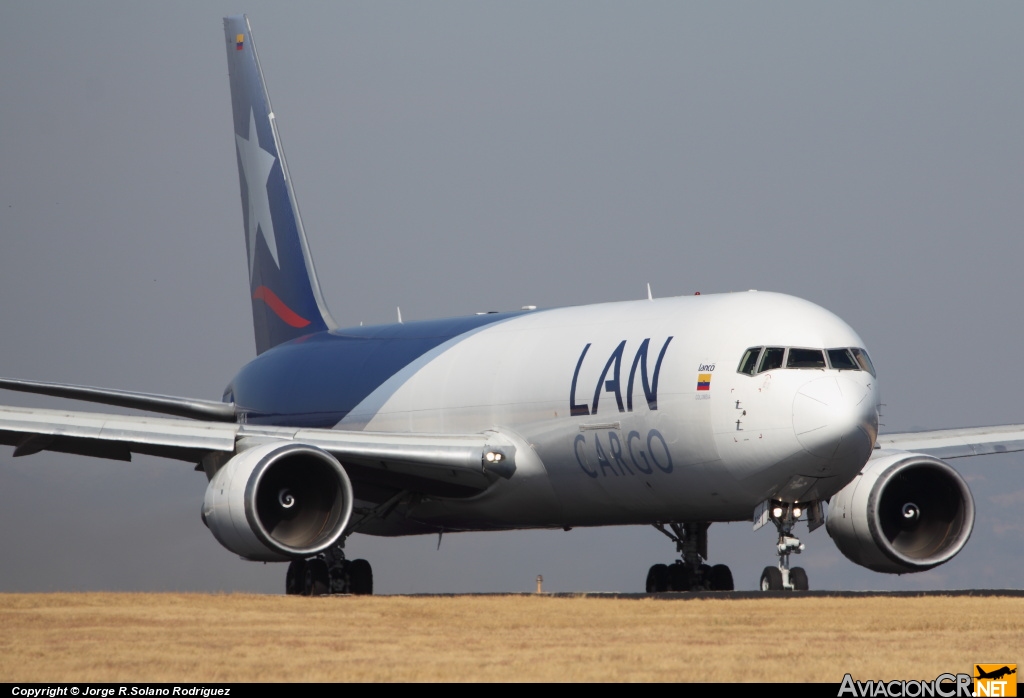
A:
<point x="399" y="309"/>
<point x="649" y="296"/>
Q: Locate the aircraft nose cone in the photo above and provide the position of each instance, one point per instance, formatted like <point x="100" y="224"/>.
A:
<point x="834" y="417"/>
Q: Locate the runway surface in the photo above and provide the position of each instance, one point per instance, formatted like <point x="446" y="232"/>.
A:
<point x="822" y="594"/>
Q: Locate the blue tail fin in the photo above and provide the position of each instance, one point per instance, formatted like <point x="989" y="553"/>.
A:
<point x="286" y="299"/>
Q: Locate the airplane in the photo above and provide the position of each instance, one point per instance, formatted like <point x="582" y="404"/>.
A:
<point x="995" y="674"/>
<point x="670" y="412"/>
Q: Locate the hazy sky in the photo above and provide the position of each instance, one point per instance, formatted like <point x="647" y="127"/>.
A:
<point x="464" y="156"/>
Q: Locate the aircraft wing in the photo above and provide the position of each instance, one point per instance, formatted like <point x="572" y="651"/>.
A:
<point x="164" y="404"/>
<point x="958" y="443"/>
<point x="429" y="463"/>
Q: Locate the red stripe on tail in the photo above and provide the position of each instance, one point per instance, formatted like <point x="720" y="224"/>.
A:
<point x="277" y="305"/>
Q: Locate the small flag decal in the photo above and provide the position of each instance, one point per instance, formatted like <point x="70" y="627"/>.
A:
<point x="239" y="42"/>
<point x="703" y="381"/>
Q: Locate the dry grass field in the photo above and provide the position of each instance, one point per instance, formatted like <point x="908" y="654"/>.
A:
<point x="233" y="637"/>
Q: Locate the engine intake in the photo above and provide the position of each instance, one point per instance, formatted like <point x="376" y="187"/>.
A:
<point x="278" y="502"/>
<point x="904" y="512"/>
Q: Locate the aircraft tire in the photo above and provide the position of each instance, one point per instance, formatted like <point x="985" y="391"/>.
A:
<point x="657" y="579"/>
<point x="678" y="577"/>
<point x="771" y="579"/>
<point x="704" y="576"/>
<point x="721" y="578"/>
<point x="798" y="578"/>
<point x="318" y="582"/>
<point x="360" y="578"/>
<point x="338" y="575"/>
<point x="295" y="579"/>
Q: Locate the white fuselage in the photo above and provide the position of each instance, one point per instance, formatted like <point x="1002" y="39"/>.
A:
<point x="574" y="388"/>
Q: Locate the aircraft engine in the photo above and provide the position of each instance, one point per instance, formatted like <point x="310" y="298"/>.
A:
<point x="904" y="512"/>
<point x="279" y="502"/>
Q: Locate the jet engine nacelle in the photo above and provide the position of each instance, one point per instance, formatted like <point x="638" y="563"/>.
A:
<point x="904" y="512"/>
<point x="279" y="502"/>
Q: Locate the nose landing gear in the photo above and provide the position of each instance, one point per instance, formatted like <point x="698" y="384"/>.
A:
<point x="785" y="516"/>
<point x="689" y="572"/>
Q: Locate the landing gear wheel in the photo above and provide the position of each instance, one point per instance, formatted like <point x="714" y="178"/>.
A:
<point x="704" y="577"/>
<point x="657" y="579"/>
<point x="720" y="578"/>
<point x="295" y="580"/>
<point x="678" y="577"/>
<point x="771" y="579"/>
<point x="798" y="578"/>
<point x="360" y="578"/>
<point x="339" y="577"/>
<point x="318" y="582"/>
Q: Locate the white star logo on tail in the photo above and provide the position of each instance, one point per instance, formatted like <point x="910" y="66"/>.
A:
<point x="256" y="165"/>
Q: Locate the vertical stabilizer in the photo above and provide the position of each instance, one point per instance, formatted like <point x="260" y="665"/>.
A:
<point x="286" y="299"/>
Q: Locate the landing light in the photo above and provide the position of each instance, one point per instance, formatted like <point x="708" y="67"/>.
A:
<point x="796" y="512"/>
<point x="493" y="456"/>
<point x="777" y="512"/>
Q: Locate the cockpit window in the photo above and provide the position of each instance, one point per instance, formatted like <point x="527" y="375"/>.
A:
<point x="771" y="358"/>
<point x="842" y="360"/>
<point x="749" y="361"/>
<point x="805" y="358"/>
<point x="863" y="361"/>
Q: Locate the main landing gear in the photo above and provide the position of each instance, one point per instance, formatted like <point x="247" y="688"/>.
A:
<point x="785" y="516"/>
<point x="690" y="572"/>
<point x="329" y="573"/>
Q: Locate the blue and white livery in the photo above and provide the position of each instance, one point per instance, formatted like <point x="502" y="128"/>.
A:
<point x="675" y="413"/>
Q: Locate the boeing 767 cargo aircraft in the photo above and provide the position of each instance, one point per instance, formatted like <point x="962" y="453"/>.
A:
<point x="673" y="412"/>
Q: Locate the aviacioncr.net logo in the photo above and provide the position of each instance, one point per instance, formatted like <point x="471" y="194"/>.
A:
<point x="942" y="686"/>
